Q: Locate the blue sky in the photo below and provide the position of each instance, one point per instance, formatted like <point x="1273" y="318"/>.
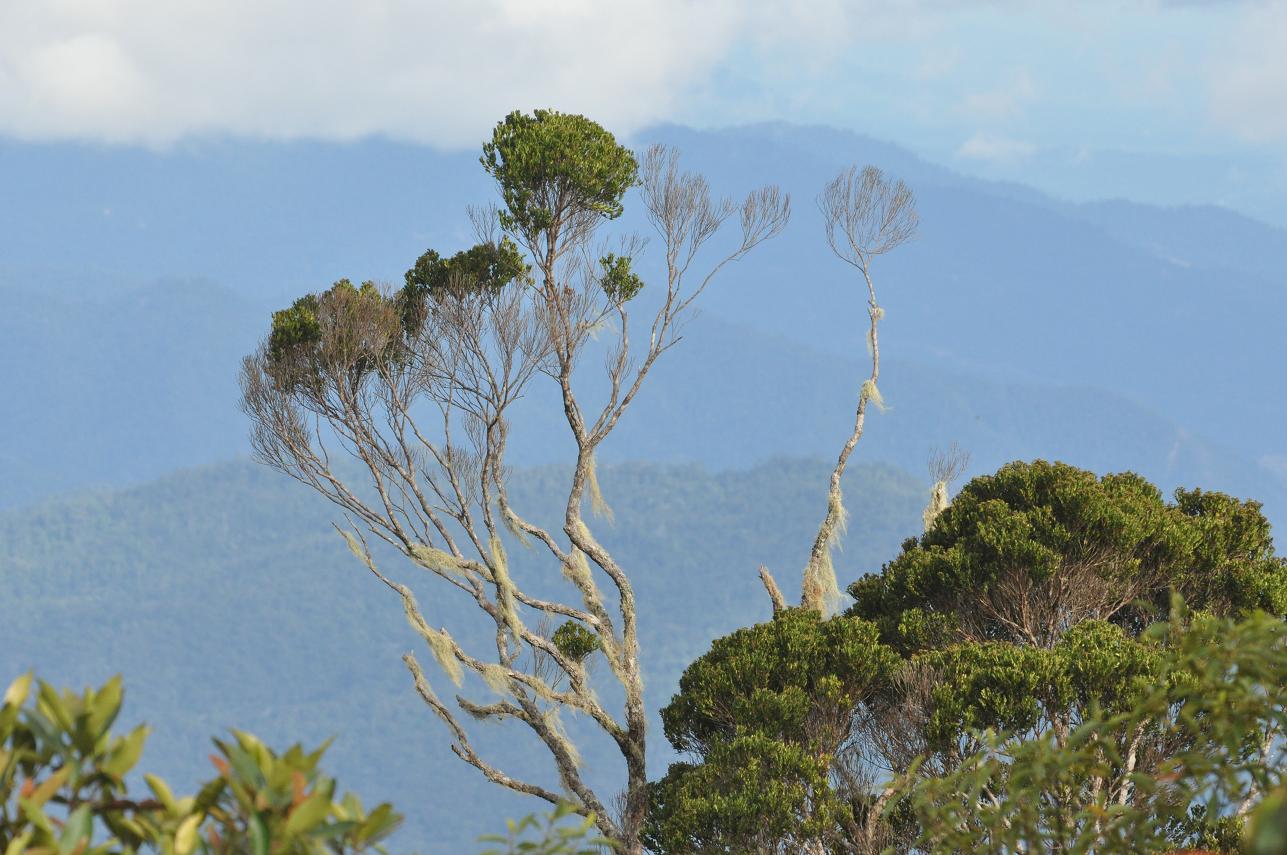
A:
<point x="1167" y="102"/>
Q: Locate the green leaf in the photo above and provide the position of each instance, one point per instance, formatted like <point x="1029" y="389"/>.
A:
<point x="126" y="753"/>
<point x="16" y="694"/>
<point x="105" y="707"/>
<point x="259" y="838"/>
<point x="307" y="814"/>
<point x="54" y="707"/>
<point x="244" y="765"/>
<point x="185" y="838"/>
<point x="162" y="791"/>
<point x="46" y="789"/>
<point x="19" y="844"/>
<point x="77" y="828"/>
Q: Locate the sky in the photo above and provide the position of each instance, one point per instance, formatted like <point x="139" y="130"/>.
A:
<point x="1159" y="101"/>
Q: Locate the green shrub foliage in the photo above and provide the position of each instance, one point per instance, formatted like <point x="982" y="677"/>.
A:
<point x="1215" y="702"/>
<point x="63" y="790"/>
<point x="769" y="711"/>
<point x="1021" y="555"/>
<point x="1017" y="626"/>
<point x="550" y="166"/>
<point x="560" y="833"/>
<point x="339" y="337"/>
<point x="575" y="641"/>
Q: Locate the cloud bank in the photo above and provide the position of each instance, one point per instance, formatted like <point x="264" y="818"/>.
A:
<point x="439" y="72"/>
<point x="970" y="77"/>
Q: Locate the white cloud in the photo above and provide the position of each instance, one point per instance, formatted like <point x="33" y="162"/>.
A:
<point x="440" y="72"/>
<point x="1002" y="102"/>
<point x="1247" y="92"/>
<point x="994" y="148"/>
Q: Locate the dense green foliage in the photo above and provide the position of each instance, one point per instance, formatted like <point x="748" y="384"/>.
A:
<point x="1023" y="554"/>
<point x="63" y="789"/>
<point x="550" y="166"/>
<point x="617" y="279"/>
<point x="575" y="641"/>
<point x="1020" y="611"/>
<point x="561" y="833"/>
<point x="486" y="267"/>
<point x="769" y="711"/>
<point x="169" y="580"/>
<point x="1217" y="697"/>
<point x="346" y="329"/>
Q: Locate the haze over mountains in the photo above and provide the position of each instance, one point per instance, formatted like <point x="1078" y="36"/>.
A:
<point x="225" y="599"/>
<point x="1108" y="335"/>
<point x="1111" y="335"/>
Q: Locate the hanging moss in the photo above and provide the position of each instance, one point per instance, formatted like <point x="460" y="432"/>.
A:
<point x="937" y="504"/>
<point x="440" y="643"/>
<point x="496" y="678"/>
<point x="555" y="723"/>
<point x="505" y="598"/>
<point x="511" y="521"/>
<point x="597" y="504"/>
<point x="872" y="394"/>
<point x="436" y="559"/>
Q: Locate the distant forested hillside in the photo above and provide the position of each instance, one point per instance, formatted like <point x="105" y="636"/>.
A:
<point x="226" y="599"/>
<point x="121" y="390"/>
<point x="1111" y="335"/>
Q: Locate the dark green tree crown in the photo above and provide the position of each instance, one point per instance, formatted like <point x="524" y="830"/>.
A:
<point x="484" y="268"/>
<point x="552" y="166"/>
<point x="790" y="678"/>
<point x="767" y="708"/>
<point x="343" y="332"/>
<point x="1064" y="538"/>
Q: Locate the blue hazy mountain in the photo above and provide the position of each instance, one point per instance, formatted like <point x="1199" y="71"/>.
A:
<point x="1110" y="335"/>
<point x="1174" y="311"/>
<point x="226" y="599"/>
<point x="120" y="390"/>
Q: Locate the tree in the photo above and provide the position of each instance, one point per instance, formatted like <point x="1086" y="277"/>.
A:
<point x="769" y="711"/>
<point x="418" y="386"/>
<point x="1022" y="610"/>
<point x="1217" y="695"/>
<point x="1023" y="555"/>
<point x="866" y="215"/>
<point x="63" y="789"/>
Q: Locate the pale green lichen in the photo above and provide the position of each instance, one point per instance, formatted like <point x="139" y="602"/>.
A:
<point x="505" y="598"/>
<point x="440" y="643"/>
<point x="877" y="313"/>
<point x="597" y="504"/>
<point x="872" y="394"/>
<point x="937" y="504"/>
<point x="577" y="571"/>
<point x="357" y="549"/>
<point x="554" y="722"/>
<point x="515" y="526"/>
<point x="839" y="516"/>
<point x="582" y="531"/>
<point x="496" y="678"/>
<point x="431" y="558"/>
<point x="422" y="686"/>
<point x="820" y="587"/>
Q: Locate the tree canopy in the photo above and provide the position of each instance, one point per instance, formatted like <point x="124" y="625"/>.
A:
<point x="1023" y="610"/>
<point x="1034" y="549"/>
<point x="417" y="385"/>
